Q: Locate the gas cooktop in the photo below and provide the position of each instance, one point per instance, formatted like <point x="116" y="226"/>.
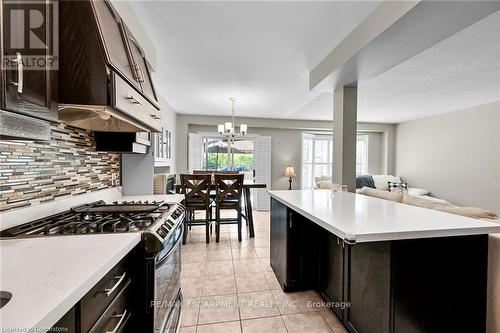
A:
<point x="97" y="217"/>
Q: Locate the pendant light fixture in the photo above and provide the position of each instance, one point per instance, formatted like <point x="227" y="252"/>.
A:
<point x="228" y="129"/>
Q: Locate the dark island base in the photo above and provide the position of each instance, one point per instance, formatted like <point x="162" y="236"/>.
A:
<point x="404" y="286"/>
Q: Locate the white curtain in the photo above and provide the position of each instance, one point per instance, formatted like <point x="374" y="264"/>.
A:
<point x="195" y="152"/>
<point x="262" y="172"/>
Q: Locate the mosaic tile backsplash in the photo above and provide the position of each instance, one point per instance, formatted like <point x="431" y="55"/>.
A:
<point x="36" y="172"/>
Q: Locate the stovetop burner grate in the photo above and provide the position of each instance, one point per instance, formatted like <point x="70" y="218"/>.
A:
<point x="97" y="217"/>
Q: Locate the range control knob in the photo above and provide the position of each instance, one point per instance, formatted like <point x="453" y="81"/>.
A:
<point x="162" y="232"/>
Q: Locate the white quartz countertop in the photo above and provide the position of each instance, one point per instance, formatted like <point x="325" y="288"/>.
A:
<point x="48" y="275"/>
<point x="359" y="218"/>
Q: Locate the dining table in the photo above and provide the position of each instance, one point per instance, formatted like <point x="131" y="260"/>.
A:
<point x="248" y="215"/>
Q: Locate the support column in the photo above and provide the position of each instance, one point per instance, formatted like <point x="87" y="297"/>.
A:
<point x="344" y="136"/>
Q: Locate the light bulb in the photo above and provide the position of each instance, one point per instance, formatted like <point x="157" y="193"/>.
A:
<point x="243" y="129"/>
<point x="104" y="115"/>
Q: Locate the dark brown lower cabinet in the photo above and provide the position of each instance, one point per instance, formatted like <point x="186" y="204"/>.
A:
<point x="367" y="284"/>
<point x="114" y="304"/>
<point x="331" y="269"/>
<point x="428" y="285"/>
<point x="289" y="248"/>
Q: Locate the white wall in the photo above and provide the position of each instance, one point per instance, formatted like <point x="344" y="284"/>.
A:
<point x="454" y="155"/>
<point x="375" y="153"/>
<point x="286" y="140"/>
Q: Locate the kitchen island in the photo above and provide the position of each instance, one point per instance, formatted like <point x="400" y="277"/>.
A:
<point x="382" y="266"/>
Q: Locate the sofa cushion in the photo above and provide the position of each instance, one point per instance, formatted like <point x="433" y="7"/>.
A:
<point x="397" y="197"/>
<point x="382" y="181"/>
<point x="417" y="191"/>
<point x="473" y="212"/>
<point x="425" y="203"/>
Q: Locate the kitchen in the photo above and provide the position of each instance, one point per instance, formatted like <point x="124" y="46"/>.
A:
<point x="119" y="214"/>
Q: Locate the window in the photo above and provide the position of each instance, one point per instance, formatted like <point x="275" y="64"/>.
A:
<point x="362" y="154"/>
<point x="317" y="151"/>
<point x="316" y="158"/>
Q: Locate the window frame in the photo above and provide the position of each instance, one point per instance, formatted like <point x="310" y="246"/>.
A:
<point x="315" y="137"/>
<point x="366" y="138"/>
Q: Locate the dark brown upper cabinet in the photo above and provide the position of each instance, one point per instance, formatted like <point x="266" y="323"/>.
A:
<point x="123" y="52"/>
<point x="110" y="27"/>
<point x="29" y="81"/>
<point x="105" y="81"/>
<point x="141" y="67"/>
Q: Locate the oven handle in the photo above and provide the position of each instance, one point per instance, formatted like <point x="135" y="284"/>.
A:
<point x="177" y="243"/>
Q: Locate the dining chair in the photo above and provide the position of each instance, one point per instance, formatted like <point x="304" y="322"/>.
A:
<point x="196" y="190"/>
<point x="228" y="196"/>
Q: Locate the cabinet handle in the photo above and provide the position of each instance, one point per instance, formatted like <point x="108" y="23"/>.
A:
<point x="133" y="100"/>
<point x="19" y="83"/>
<point x="290" y="220"/>
<point x="112" y="289"/>
<point x="120" y="322"/>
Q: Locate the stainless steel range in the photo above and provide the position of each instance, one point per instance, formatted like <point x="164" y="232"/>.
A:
<point x="161" y="227"/>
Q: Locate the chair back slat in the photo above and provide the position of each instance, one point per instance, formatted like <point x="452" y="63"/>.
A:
<point x="229" y="186"/>
<point x="196" y="188"/>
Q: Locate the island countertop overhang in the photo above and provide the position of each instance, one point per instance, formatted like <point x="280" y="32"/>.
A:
<point x="359" y="218"/>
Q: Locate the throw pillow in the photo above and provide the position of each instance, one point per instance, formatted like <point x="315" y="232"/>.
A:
<point x="398" y="187"/>
<point x="365" y="180"/>
<point x="324" y="185"/>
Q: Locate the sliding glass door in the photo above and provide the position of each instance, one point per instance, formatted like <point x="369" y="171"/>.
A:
<point x="220" y="155"/>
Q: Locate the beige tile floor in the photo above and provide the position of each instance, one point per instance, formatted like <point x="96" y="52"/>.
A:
<point x="230" y="287"/>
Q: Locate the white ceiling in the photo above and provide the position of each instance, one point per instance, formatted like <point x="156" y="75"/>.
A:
<point x="262" y="52"/>
<point x="459" y="72"/>
<point x="259" y="52"/>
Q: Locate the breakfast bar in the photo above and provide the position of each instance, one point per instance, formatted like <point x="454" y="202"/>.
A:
<point x="382" y="266"/>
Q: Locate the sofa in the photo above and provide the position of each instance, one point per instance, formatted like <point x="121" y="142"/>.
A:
<point x="493" y="301"/>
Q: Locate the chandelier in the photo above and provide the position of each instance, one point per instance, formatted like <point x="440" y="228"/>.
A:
<point x="228" y="129"/>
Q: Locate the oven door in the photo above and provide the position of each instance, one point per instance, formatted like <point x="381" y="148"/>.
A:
<point x="167" y="285"/>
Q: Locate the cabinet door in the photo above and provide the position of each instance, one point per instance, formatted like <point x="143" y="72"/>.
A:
<point x="278" y="240"/>
<point x="367" y="281"/>
<point x="28" y="80"/>
<point x="296" y="250"/>
<point x="332" y="270"/>
<point x="141" y="66"/>
<point x="115" y="40"/>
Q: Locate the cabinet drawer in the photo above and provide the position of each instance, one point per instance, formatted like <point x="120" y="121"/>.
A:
<point x="117" y="316"/>
<point x="102" y="294"/>
<point x="130" y="101"/>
